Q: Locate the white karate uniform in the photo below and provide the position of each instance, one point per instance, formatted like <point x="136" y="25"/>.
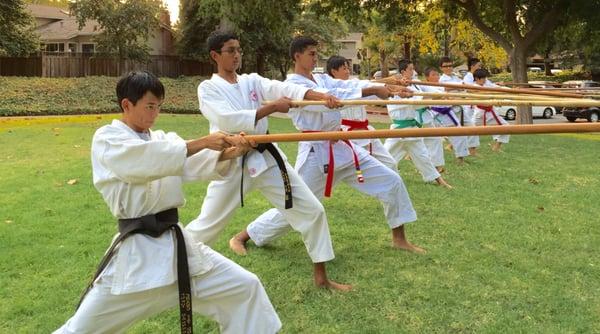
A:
<point x="414" y="146"/>
<point x="434" y="144"/>
<point x="379" y="180"/>
<point x="232" y="107"/>
<point x="470" y="116"/>
<point x="492" y="118"/>
<point x="459" y="143"/>
<point x="374" y="146"/>
<point x="141" y="174"/>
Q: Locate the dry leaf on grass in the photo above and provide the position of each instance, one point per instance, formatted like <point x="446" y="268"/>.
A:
<point x="72" y="181"/>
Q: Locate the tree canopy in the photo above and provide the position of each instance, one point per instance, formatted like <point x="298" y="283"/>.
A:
<point x="17" y="30"/>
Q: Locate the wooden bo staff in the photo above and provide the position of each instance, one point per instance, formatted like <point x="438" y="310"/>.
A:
<point x="427" y="132"/>
<point x="458" y="102"/>
<point x="488" y="89"/>
<point x="491" y="96"/>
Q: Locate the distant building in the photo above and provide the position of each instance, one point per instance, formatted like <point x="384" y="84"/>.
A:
<point x="351" y="45"/>
<point x="59" y="32"/>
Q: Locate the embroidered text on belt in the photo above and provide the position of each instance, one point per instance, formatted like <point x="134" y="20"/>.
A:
<point x="353" y="124"/>
<point x="331" y="165"/>
<point x="447" y="111"/>
<point x="489" y="109"/>
<point x="155" y="225"/>
<point x="287" y="186"/>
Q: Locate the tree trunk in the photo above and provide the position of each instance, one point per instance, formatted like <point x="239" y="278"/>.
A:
<point x="383" y="64"/>
<point x="407" y="49"/>
<point x="260" y="64"/>
<point x="518" y="64"/>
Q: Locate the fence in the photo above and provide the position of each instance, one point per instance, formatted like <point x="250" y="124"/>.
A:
<point x="80" y="65"/>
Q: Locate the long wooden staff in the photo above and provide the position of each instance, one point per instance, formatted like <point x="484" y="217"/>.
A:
<point x="488" y="89"/>
<point x="562" y="103"/>
<point x="490" y="96"/>
<point x="428" y="132"/>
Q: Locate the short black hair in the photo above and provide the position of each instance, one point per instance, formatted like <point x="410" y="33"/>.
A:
<point x="334" y="63"/>
<point x="472" y="61"/>
<point x="445" y="60"/>
<point x="428" y="70"/>
<point x="481" y="74"/>
<point x="403" y="65"/>
<point x="300" y="44"/>
<point x="134" y="85"/>
<point x="218" y="38"/>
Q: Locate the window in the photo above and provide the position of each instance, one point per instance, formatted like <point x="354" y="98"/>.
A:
<point x="55" y="47"/>
<point x="87" y="48"/>
<point x="72" y="47"/>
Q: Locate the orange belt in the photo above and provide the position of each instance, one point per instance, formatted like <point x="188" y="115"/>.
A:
<point x="488" y="109"/>
<point x="358" y="125"/>
<point x="330" y="167"/>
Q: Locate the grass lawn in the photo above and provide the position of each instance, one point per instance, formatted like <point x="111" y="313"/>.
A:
<point x="514" y="248"/>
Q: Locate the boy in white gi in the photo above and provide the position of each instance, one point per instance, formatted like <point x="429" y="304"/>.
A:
<point x="470" y="117"/>
<point x="445" y="116"/>
<point x="233" y="103"/>
<point x="410" y="116"/>
<point x="355" y="117"/>
<point x="153" y="260"/>
<point x="322" y="164"/>
<point x="488" y="113"/>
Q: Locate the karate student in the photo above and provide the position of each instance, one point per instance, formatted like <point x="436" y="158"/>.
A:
<point x="445" y="116"/>
<point x="411" y="116"/>
<point x="233" y="103"/>
<point x="157" y="265"/>
<point x="355" y="117"/>
<point x="324" y="163"/>
<point x="488" y="112"/>
<point x="469" y="116"/>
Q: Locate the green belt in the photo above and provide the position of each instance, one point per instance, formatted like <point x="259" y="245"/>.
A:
<point x="420" y="111"/>
<point x="406" y="123"/>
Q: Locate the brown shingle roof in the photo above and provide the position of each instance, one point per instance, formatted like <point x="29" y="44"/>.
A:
<point x="67" y="29"/>
<point x="47" y="12"/>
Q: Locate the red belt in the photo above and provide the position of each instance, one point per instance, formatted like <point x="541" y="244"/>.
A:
<point x="331" y="165"/>
<point x="489" y="109"/>
<point x="358" y="125"/>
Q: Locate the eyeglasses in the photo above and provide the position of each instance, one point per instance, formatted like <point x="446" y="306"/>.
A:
<point x="233" y="51"/>
<point x="446" y="66"/>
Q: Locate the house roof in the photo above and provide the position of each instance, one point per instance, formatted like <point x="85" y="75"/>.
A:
<point x="47" y="12"/>
<point x="67" y="29"/>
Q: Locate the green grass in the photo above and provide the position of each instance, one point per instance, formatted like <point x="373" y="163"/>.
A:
<point x="513" y="248"/>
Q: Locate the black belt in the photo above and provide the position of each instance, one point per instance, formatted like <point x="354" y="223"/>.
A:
<point x="155" y="225"/>
<point x="284" y="174"/>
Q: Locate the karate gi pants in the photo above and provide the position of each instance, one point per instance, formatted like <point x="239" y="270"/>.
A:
<point x="491" y="120"/>
<point x="435" y="147"/>
<point x="307" y="215"/>
<point x="459" y="143"/>
<point x="228" y="294"/>
<point x="418" y="152"/>
<point x="379" y="181"/>
<point x="470" y="120"/>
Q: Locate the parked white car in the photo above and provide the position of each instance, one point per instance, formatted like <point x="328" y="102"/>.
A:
<point x="510" y="112"/>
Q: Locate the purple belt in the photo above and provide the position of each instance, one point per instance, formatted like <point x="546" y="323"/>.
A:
<point x="448" y="112"/>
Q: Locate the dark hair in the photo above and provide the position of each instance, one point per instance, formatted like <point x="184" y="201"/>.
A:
<point x="218" y="38"/>
<point x="334" y="63"/>
<point x="480" y="74"/>
<point x="445" y="60"/>
<point x="472" y="61"/>
<point x="134" y="85"/>
<point x="428" y="70"/>
<point x="403" y="65"/>
<point x="300" y="44"/>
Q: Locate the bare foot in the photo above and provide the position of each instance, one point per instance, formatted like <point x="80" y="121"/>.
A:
<point x="407" y="246"/>
<point x="449" y="147"/>
<point x="441" y="182"/>
<point x="460" y="161"/>
<point x="496" y="147"/>
<point x="440" y="169"/>
<point x="331" y="285"/>
<point x="473" y="151"/>
<point x="238" y="245"/>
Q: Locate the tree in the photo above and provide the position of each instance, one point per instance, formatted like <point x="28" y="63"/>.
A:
<point x="126" y="25"/>
<point x="17" y="30"/>
<point x="265" y="28"/>
<point x="517" y="25"/>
